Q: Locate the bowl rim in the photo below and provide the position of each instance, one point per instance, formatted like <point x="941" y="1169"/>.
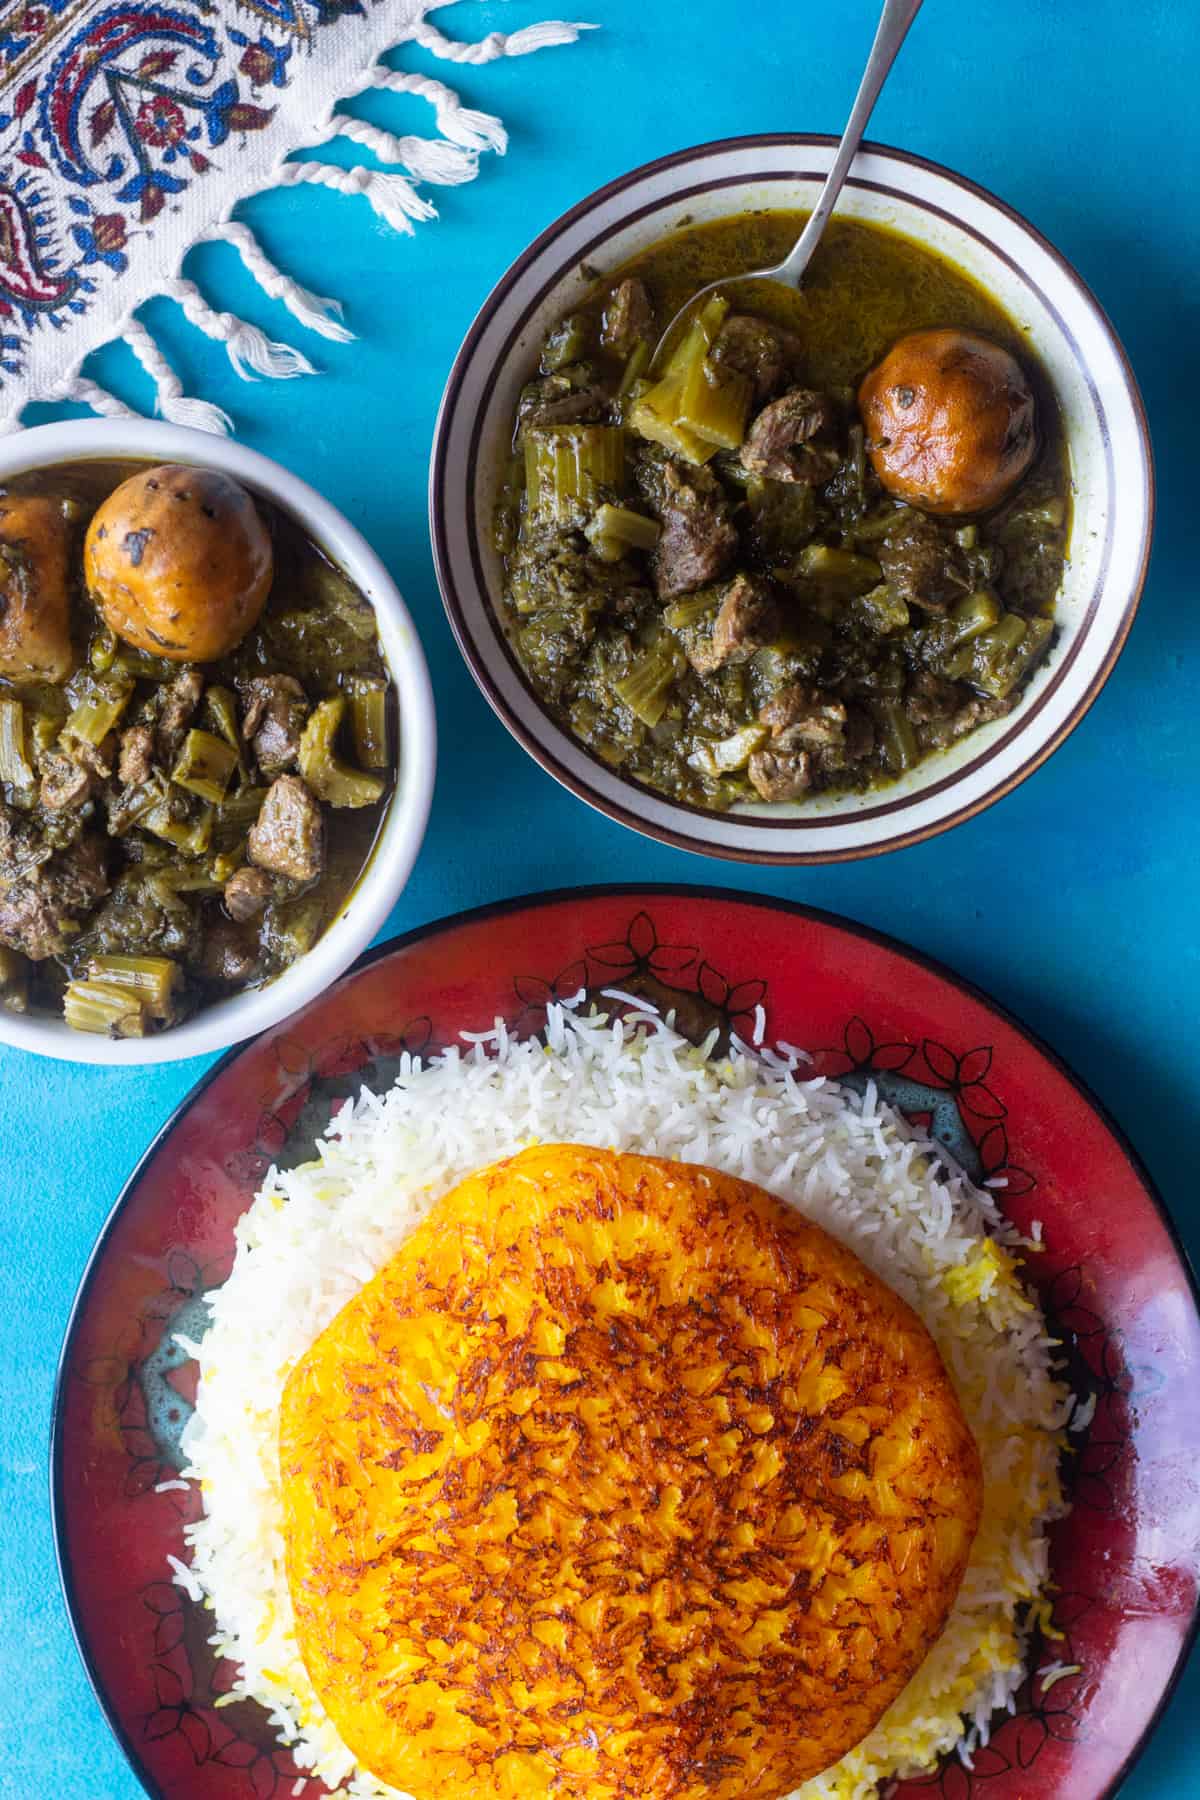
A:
<point x="402" y="826"/>
<point x="530" y="736"/>
<point x="701" y="890"/>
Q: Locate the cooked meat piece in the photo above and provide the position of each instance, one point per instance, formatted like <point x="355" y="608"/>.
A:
<point x="698" y="540"/>
<point x="780" y="774"/>
<point x="177" y="703"/>
<point x="783" y="442"/>
<point x="747" y="620"/>
<point x="288" y="837"/>
<point x="801" y="715"/>
<point x="930" y="698"/>
<point x="976" y="711"/>
<point x="65" y="782"/>
<point x="764" y="352"/>
<point x="137" y="756"/>
<point x="246" y="893"/>
<point x="557" y="400"/>
<point x="229" y="953"/>
<point x="35" y="625"/>
<point x="22" y="848"/>
<point x="921" y="565"/>
<point x="39" y="912"/>
<point x="628" y="317"/>
<point x="276" y="708"/>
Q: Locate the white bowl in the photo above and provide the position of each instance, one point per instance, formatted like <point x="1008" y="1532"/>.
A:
<point x="241" y="1016"/>
<point x="1106" y="430"/>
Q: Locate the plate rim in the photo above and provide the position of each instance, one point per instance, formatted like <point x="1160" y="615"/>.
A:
<point x="703" y="891"/>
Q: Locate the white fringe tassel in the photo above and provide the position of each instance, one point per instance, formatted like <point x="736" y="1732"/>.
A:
<point x="314" y="311"/>
<point x="393" y="197"/>
<point x="441" y="162"/>
<point x="497" y="43"/>
<point x="250" y="350"/>
<point x="173" y="403"/>
<point x="473" y="130"/>
<point x="443" y="165"/>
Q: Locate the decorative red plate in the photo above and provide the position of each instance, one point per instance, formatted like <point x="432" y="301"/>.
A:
<point x="1114" y="1280"/>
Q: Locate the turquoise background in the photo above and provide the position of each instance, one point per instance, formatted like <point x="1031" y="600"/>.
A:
<point x="1073" y="901"/>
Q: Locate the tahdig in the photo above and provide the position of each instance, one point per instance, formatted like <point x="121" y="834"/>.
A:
<point x="620" y="1480"/>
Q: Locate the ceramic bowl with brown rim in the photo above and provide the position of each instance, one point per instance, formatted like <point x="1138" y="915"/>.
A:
<point x="1108" y="442"/>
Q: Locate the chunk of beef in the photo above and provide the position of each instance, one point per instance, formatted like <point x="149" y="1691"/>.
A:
<point x="973" y="712"/>
<point x="229" y="953"/>
<point x="628" y="317"/>
<point x="288" y="837"/>
<point x="136" y="759"/>
<point x="65" y="783"/>
<point x="780" y="774"/>
<point x="557" y="400"/>
<point x="832" y="733"/>
<point x="178" y="701"/>
<point x="698" y="540"/>
<point x="276" y="708"/>
<point x="921" y="564"/>
<point x="247" y="893"/>
<point x="765" y="353"/>
<point x="41" y="912"/>
<point x="930" y="698"/>
<point x="804" y="716"/>
<point x="747" y="620"/>
<point x="786" y="441"/>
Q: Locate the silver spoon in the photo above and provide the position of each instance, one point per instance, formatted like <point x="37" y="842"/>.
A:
<point x="894" y="21"/>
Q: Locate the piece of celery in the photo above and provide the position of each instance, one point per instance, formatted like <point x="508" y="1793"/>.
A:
<point x="101" y="1007"/>
<point x="330" y="779"/>
<point x="16" y="770"/>
<point x="565" y="343"/>
<point x="102" y="650"/>
<point x="880" y="610"/>
<point x="635" y="365"/>
<point x="975" y="614"/>
<point x="191" y="835"/>
<point x="98" y="709"/>
<point x="151" y="980"/>
<point x="896" y="737"/>
<point x="647" y="687"/>
<point x="368" y="721"/>
<point x="725" y="755"/>
<point x="655" y="415"/>
<point x="996" y="660"/>
<point x="715" y="404"/>
<point x="690" y="610"/>
<point x="615" y="529"/>
<point x="205" y="766"/>
<point x="570" y="469"/>
<point x="839" y="574"/>
<point x="220" y="707"/>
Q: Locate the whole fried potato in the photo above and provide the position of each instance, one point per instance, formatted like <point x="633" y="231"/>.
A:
<point x="179" y="562"/>
<point x="950" y="423"/>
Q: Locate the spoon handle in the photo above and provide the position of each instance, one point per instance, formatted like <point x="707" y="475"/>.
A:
<point x="894" y="22"/>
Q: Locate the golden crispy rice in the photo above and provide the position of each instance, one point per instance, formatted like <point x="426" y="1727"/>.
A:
<point x="620" y="1481"/>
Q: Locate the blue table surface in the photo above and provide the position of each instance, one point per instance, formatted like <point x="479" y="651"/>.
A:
<point x="1073" y="901"/>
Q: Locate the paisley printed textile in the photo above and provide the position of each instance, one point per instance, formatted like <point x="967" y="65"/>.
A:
<point x="129" y="132"/>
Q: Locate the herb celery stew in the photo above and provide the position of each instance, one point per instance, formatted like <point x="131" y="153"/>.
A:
<point x="816" y="542"/>
<point x="195" y="742"/>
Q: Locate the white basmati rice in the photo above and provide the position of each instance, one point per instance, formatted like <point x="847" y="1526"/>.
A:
<point x="314" y="1235"/>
